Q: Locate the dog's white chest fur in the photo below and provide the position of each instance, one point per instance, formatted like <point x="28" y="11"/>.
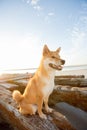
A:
<point x="48" y="88"/>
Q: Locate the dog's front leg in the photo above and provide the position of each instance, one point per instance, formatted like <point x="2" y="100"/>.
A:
<point x="40" y="104"/>
<point x="47" y="108"/>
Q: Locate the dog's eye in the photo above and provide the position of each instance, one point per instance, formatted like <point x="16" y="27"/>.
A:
<point x="53" y="57"/>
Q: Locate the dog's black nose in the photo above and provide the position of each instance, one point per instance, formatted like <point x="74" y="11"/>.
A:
<point x="63" y="62"/>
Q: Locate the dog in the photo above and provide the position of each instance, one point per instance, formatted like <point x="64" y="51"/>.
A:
<point x="41" y="85"/>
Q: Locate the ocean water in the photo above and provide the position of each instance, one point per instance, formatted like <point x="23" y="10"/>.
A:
<point x="32" y="70"/>
<point x="75" y="67"/>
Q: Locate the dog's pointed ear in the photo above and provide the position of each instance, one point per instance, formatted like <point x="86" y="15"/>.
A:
<point x="45" y="50"/>
<point x="58" y="50"/>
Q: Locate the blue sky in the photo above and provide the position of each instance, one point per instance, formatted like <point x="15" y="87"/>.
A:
<point x="26" y="25"/>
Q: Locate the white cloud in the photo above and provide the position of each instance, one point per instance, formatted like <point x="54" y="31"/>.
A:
<point x="28" y="1"/>
<point x="34" y="2"/>
<point x="48" y="17"/>
<point x="77" y="52"/>
<point x="51" y="14"/>
<point x="77" y="37"/>
<point x="83" y="15"/>
<point x="37" y="7"/>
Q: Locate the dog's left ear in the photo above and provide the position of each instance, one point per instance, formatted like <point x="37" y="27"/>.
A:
<point x="45" y="50"/>
<point x="58" y="50"/>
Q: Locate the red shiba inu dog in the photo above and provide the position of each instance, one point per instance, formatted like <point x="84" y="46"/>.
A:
<point x="41" y="85"/>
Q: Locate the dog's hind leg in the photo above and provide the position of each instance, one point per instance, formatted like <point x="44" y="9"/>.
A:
<point x="40" y="104"/>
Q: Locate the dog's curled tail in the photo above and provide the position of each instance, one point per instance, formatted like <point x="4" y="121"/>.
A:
<point x="17" y="96"/>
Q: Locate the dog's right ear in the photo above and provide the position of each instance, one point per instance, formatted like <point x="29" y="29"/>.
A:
<point x="45" y="50"/>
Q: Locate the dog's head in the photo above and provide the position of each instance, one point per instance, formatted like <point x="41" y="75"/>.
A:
<point x="52" y="58"/>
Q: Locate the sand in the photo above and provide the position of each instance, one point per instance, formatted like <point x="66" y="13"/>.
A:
<point x="73" y="72"/>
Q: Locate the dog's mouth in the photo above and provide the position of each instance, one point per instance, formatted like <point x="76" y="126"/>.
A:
<point x="57" y="67"/>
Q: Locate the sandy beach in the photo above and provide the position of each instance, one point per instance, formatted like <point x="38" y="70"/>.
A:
<point x="73" y="72"/>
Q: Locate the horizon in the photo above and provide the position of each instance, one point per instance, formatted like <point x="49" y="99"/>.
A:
<point x="32" y="70"/>
<point x="26" y="25"/>
<point x="24" y="69"/>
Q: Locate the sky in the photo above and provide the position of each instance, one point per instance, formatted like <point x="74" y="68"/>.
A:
<point x="26" y="25"/>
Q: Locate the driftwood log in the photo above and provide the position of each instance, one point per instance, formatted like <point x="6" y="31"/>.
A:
<point x="9" y="112"/>
<point x="71" y="89"/>
<point x="70" y="76"/>
<point x="75" y="81"/>
<point x="68" y="91"/>
<point x="72" y="80"/>
<point x="72" y="95"/>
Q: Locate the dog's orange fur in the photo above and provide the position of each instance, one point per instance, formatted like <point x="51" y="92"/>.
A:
<point x="40" y="86"/>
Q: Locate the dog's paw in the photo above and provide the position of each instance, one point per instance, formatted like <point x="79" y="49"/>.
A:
<point x="32" y="113"/>
<point x="49" y="110"/>
<point x="43" y="116"/>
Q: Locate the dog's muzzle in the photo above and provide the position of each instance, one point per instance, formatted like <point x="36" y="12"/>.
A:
<point x="57" y="67"/>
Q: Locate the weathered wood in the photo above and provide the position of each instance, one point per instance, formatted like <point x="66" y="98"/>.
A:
<point x="72" y="95"/>
<point x="78" y="82"/>
<point x="70" y="76"/>
<point x="73" y="80"/>
<point x="20" y="83"/>
<point x="9" y="86"/>
<point x="61" y="121"/>
<point x="9" y="111"/>
<point x="9" y="77"/>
